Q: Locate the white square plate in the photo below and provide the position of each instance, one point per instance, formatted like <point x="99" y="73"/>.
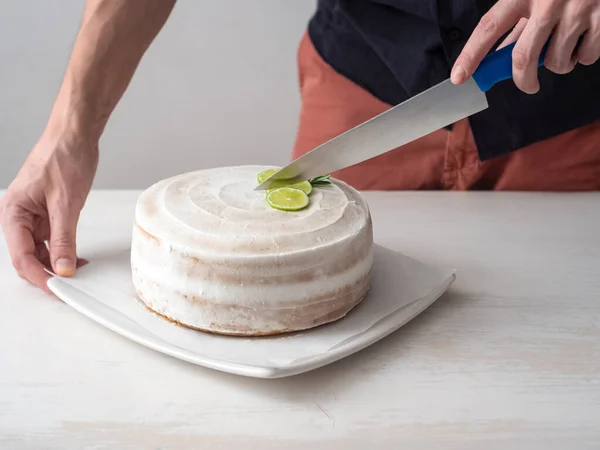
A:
<point x="401" y="289"/>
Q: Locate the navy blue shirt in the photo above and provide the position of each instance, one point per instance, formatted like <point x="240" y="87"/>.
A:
<point x="396" y="49"/>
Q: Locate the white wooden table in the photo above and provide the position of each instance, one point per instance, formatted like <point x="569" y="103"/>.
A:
<point x="509" y="358"/>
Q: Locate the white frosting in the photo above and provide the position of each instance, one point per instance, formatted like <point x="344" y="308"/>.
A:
<point x="208" y="251"/>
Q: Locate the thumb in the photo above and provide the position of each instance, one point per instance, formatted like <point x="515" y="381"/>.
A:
<point x="63" y="254"/>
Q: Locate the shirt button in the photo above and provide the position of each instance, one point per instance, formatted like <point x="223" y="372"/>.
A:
<point x="454" y="34"/>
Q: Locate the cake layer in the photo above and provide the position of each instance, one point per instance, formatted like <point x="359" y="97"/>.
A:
<point x="208" y="252"/>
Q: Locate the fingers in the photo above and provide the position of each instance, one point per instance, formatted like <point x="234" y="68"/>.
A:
<point x="500" y="19"/>
<point x="23" y="252"/>
<point x="43" y="255"/>
<point x="561" y="57"/>
<point x="527" y="51"/>
<point x="567" y="22"/>
<point x="514" y="34"/>
<point x="589" y="50"/>
<point x="63" y="226"/>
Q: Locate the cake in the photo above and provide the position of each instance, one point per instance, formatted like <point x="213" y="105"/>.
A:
<point x="209" y="253"/>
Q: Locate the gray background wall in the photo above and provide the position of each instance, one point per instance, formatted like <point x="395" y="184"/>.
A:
<point x="217" y="87"/>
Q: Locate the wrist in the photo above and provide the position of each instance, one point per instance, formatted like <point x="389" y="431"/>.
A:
<point x="69" y="130"/>
<point x="76" y="116"/>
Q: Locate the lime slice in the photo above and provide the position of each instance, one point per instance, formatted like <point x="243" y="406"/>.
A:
<point x="265" y="174"/>
<point x="287" y="199"/>
<point x="304" y="186"/>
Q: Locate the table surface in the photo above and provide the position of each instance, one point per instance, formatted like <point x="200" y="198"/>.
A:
<point x="508" y="358"/>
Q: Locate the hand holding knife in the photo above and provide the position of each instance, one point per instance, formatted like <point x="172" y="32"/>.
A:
<point x="433" y="109"/>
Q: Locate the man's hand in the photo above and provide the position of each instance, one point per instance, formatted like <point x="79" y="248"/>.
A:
<point x="573" y="24"/>
<point x="43" y="205"/>
<point x="44" y="201"/>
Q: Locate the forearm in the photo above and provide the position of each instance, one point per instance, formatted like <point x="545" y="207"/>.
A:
<point x="113" y="36"/>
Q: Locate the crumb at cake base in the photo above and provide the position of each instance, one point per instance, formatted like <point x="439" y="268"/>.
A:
<point x="334" y="316"/>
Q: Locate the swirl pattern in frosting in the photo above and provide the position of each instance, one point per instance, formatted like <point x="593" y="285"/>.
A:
<point x="208" y="252"/>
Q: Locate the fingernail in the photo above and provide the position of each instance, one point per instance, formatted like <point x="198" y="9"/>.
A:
<point x="458" y="75"/>
<point x="64" y="267"/>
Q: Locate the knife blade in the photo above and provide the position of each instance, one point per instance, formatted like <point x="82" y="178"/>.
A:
<point x="431" y="110"/>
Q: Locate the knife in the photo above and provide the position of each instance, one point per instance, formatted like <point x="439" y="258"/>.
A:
<point x="431" y="110"/>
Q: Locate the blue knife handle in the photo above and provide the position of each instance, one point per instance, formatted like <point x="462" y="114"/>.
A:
<point x="497" y="66"/>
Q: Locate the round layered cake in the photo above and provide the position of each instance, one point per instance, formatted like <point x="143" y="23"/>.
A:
<point x="209" y="253"/>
